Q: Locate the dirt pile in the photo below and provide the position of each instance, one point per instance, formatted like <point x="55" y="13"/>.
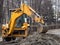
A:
<point x="37" y="39"/>
<point x="40" y="39"/>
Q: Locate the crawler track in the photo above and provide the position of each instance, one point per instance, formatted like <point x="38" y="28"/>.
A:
<point x="36" y="39"/>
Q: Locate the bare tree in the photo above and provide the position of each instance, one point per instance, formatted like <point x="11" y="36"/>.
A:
<point x="1" y="8"/>
<point x="1" y="14"/>
<point x="47" y="11"/>
<point x="43" y="7"/>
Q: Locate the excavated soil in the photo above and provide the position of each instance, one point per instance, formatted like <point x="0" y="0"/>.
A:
<point x="36" y="39"/>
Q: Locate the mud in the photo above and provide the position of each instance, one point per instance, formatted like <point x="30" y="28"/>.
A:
<point x="36" y="39"/>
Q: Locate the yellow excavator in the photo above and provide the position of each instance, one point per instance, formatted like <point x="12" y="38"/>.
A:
<point x="22" y="21"/>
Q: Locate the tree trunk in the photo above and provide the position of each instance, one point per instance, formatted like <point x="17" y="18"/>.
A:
<point x="1" y="14"/>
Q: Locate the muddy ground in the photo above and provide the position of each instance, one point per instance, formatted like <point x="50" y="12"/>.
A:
<point x="52" y="37"/>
